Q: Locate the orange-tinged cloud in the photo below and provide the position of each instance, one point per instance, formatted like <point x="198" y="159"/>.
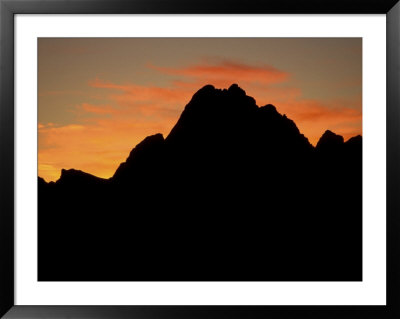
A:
<point x="313" y="118"/>
<point x="98" y="109"/>
<point x="132" y="94"/>
<point x="228" y="70"/>
<point x="96" y="147"/>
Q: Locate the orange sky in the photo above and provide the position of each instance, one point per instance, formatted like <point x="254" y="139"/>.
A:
<point x="98" y="98"/>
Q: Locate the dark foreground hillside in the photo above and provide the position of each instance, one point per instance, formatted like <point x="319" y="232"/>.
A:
<point x="233" y="193"/>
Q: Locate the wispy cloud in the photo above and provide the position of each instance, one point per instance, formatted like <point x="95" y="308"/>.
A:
<point x="227" y="69"/>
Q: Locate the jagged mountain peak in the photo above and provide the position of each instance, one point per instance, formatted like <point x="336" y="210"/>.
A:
<point x="213" y="112"/>
<point x="77" y="176"/>
<point x="269" y="108"/>
<point x="208" y="98"/>
<point x="65" y="173"/>
<point x="148" y="143"/>
<point x="354" y="140"/>
<point x="146" y="154"/>
<point x="329" y="140"/>
<point x="236" y="90"/>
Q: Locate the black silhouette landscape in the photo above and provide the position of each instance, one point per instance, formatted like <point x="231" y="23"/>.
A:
<point x="234" y="193"/>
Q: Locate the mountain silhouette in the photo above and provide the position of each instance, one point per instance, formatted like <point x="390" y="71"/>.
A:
<point x="234" y="193"/>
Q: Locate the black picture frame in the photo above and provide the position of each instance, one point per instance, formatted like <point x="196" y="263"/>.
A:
<point x="8" y="8"/>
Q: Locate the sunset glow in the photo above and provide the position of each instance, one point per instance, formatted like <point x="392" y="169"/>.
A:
<point x="98" y="98"/>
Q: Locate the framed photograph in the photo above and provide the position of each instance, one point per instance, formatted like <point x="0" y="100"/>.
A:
<point x="199" y="160"/>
